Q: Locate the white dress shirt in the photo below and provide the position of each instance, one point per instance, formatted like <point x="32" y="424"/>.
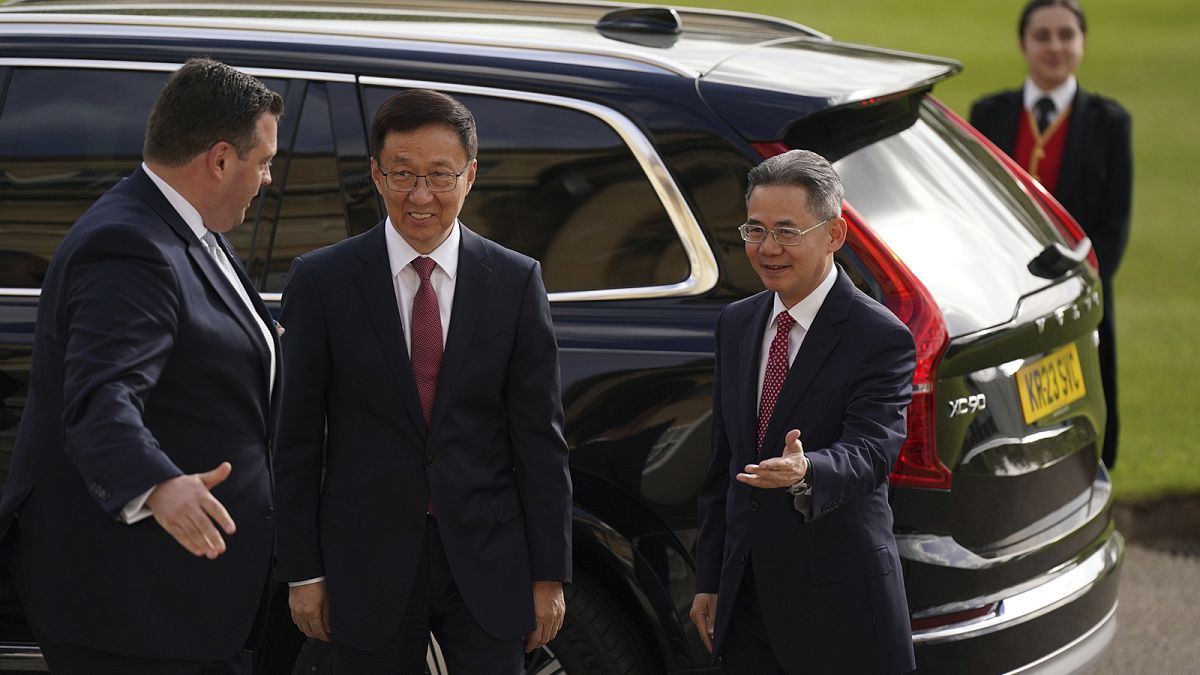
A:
<point x="1062" y="95"/>
<point x="135" y="509"/>
<point x="803" y="312"/>
<point x="405" y="279"/>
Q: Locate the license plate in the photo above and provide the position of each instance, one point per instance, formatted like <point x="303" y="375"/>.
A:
<point x="1051" y="383"/>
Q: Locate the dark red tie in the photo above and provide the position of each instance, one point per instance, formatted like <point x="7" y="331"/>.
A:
<point x="426" y="347"/>
<point x="426" y="343"/>
<point x="777" y="370"/>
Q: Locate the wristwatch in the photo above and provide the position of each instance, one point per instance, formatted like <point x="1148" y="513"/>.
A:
<point x="804" y="486"/>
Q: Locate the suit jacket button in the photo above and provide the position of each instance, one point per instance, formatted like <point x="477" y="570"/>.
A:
<point x="268" y="513"/>
<point x="429" y="459"/>
<point x="753" y="504"/>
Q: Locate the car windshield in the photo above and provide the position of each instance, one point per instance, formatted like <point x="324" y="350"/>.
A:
<point x="954" y="215"/>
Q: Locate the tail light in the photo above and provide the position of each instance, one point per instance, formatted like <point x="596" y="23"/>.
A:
<point x="1066" y="224"/>
<point x="918" y="465"/>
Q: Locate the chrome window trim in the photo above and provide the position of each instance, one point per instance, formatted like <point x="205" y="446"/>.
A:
<point x="703" y="273"/>
<point x="164" y="67"/>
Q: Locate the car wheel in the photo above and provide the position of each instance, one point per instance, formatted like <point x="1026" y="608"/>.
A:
<point x="597" y="639"/>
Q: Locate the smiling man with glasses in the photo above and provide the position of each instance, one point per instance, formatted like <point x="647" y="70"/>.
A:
<point x="421" y="468"/>
<point x="795" y="539"/>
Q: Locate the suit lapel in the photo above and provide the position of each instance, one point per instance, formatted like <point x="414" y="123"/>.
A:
<point x="470" y="296"/>
<point x="247" y="322"/>
<point x="1008" y="121"/>
<point x="373" y="276"/>
<point x="819" y="342"/>
<point x="749" y="366"/>
<point x="209" y="270"/>
<point x="1075" y="151"/>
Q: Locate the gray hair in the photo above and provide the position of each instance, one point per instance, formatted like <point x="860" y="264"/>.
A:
<point x="802" y="168"/>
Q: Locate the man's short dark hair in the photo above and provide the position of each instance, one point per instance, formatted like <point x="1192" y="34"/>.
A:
<point x="203" y="103"/>
<point x="1032" y="6"/>
<point x="416" y="108"/>
<point x="802" y="168"/>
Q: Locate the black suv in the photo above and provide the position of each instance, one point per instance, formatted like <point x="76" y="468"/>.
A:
<point x="614" y="143"/>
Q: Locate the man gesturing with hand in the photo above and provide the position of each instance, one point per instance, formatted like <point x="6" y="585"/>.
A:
<point x="138" y="505"/>
<point x="796" y="565"/>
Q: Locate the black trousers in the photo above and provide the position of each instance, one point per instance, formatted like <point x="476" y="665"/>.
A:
<point x="746" y="649"/>
<point x="64" y="659"/>
<point x="1108" y="376"/>
<point x="434" y="605"/>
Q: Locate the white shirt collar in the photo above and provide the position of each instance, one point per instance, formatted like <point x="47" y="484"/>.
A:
<point x="805" y="311"/>
<point x="1062" y="95"/>
<point x="401" y="253"/>
<point x="182" y="206"/>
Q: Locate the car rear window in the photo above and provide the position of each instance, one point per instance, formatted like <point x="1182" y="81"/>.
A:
<point x="954" y="215"/>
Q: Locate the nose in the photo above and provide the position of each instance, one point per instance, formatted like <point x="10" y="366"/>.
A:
<point x="420" y="194"/>
<point x="770" y="246"/>
<point x="265" y="179"/>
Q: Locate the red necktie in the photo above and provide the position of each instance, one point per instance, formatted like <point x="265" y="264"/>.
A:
<point x="426" y="343"/>
<point x="777" y="369"/>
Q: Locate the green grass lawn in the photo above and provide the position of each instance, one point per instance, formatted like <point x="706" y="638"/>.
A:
<point x="1147" y="56"/>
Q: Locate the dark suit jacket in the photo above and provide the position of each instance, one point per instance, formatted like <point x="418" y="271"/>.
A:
<point x="146" y="365"/>
<point x="1095" y="183"/>
<point x="493" y="458"/>
<point x="830" y="588"/>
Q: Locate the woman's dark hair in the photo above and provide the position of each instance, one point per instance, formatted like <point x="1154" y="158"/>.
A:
<point x="1071" y="6"/>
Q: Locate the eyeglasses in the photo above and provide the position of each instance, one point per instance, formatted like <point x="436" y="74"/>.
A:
<point x="785" y="236"/>
<point x="403" y="181"/>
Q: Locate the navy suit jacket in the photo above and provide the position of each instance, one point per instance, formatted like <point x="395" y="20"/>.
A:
<point x="357" y="464"/>
<point x="146" y="365"/>
<point x="830" y="588"/>
<point x="1095" y="182"/>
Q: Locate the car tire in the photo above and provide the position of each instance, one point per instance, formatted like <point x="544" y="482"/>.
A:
<point x="597" y="638"/>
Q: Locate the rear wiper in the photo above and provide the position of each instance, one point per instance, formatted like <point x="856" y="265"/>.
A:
<point x="1056" y="260"/>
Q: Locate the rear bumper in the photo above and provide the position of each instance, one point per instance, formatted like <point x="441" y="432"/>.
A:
<point x="1057" y="623"/>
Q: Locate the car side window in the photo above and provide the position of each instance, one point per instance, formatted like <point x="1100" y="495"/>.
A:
<point x="312" y="213"/>
<point x="66" y="137"/>
<point x="561" y="186"/>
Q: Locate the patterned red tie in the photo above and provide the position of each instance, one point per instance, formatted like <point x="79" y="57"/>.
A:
<point x="426" y="343"/>
<point x="777" y="369"/>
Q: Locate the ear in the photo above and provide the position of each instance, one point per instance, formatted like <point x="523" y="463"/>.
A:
<point x="216" y="160"/>
<point x="469" y="176"/>
<point x="837" y="234"/>
<point x="377" y="177"/>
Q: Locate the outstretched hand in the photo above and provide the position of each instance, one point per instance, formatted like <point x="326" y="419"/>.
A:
<point x="187" y="510"/>
<point x="779" y="472"/>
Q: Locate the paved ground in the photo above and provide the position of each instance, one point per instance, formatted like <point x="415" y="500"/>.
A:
<point x="1158" y="618"/>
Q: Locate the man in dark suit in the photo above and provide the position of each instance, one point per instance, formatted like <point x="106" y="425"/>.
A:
<point x="1078" y="145"/>
<point x="795" y="538"/>
<point x="422" y="474"/>
<point x="139" y="501"/>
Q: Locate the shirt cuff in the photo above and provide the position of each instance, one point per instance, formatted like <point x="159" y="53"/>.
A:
<point x="293" y="584"/>
<point x="135" y="509"/>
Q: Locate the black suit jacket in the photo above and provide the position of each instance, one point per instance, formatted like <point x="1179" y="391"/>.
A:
<point x="146" y="365"/>
<point x="1095" y="182"/>
<point x="493" y="458"/>
<point x="830" y="588"/>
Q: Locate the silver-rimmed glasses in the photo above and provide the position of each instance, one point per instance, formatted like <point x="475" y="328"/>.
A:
<point x="438" y="181"/>
<point x="785" y="236"/>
